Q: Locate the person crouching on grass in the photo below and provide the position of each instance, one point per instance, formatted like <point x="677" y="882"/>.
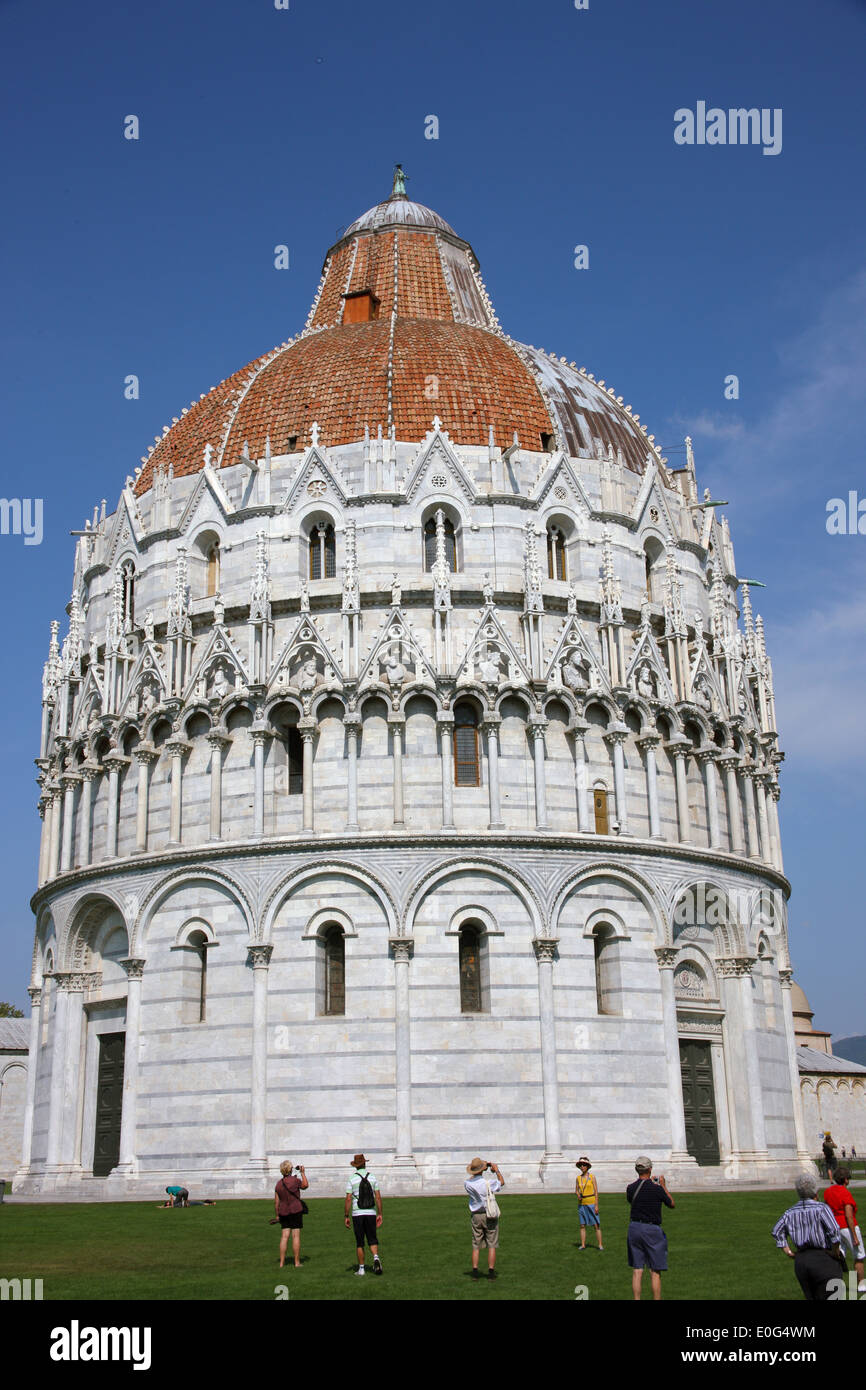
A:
<point x="586" y="1190"/>
<point x="289" y="1210"/>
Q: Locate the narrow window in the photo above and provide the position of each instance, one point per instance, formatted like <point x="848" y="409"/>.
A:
<point x="334" y="952"/>
<point x="213" y="570"/>
<point x="470" y="970"/>
<point x="556" y="566"/>
<point x="467" y="772"/>
<point x="197" y="942"/>
<point x="608" y="973"/>
<point x="323" y="552"/>
<point x="295" y="759"/>
<point x="430" y="545"/>
<point x="599" y="801"/>
<point x="648" y="570"/>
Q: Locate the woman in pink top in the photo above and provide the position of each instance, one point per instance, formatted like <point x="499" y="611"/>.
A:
<point x="289" y="1210"/>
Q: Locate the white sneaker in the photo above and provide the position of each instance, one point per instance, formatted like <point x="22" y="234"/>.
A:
<point x="360" y="1272"/>
<point x="861" y="1287"/>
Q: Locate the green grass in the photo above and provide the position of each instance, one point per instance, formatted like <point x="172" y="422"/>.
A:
<point x="720" y="1248"/>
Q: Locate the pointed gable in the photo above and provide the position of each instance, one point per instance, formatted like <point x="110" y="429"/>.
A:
<point x="438" y="459"/>
<point x="315" y="480"/>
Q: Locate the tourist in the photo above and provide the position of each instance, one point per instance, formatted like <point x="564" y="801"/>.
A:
<point x="646" y="1241"/>
<point x="177" y="1196"/>
<point x="586" y="1190"/>
<point x="484" y="1212"/>
<point x="828" y="1148"/>
<point x="364" y="1202"/>
<point x="841" y="1202"/>
<point x="289" y="1210"/>
<point x="812" y="1227"/>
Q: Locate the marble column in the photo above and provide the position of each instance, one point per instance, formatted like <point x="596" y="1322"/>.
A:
<point x="54" y="837"/>
<point x="667" y="958"/>
<point x="58" y="1079"/>
<point x="260" y="959"/>
<point x="578" y="728"/>
<point x="775" y="833"/>
<point x="397" y="725"/>
<point x="537" y="729"/>
<point x="786" y="977"/>
<point x="401" y="950"/>
<point x="707" y="757"/>
<point x="77" y="983"/>
<point x="680" y="750"/>
<point x="307" y="729"/>
<point x="648" y="743"/>
<point x="491" y="728"/>
<point x="760" y="782"/>
<point x="145" y="755"/>
<point x="35" y="993"/>
<point x="178" y="748"/>
<point x="89" y="774"/>
<point x="69" y="782"/>
<point x="445" y="720"/>
<point x="720" y="1085"/>
<point x="128" y="1162"/>
<point x="218" y="740"/>
<point x="44" y="838"/>
<point x="751" y="817"/>
<point x="735" y="972"/>
<point x="113" y="762"/>
<point x="352" y="725"/>
<point x="545" y="954"/>
<point x="729" y="762"/>
<point x="615" y="739"/>
<point x="260" y="737"/>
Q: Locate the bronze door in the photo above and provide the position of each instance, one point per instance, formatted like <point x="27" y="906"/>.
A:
<point x="109" y="1103"/>
<point x="699" y="1102"/>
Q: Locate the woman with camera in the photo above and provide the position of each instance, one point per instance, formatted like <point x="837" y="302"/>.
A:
<point x="289" y="1210"/>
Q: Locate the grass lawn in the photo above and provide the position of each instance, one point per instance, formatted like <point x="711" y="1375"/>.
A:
<point x="719" y="1248"/>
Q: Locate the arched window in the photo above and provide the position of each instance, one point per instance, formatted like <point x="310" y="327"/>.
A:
<point x="467" y="772"/>
<point x="608" y="976"/>
<point x="473" y="964"/>
<point x="653" y="572"/>
<point x="323" y="551"/>
<point x="213" y="569"/>
<point x="557" y="567"/>
<point x="599" y="806"/>
<point x="294" y="762"/>
<point x="450" y="542"/>
<point x="128" y="573"/>
<point x="332" y="970"/>
<point x="195" y="991"/>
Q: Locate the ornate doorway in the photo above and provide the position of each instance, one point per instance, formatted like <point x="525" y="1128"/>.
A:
<point x="109" y="1103"/>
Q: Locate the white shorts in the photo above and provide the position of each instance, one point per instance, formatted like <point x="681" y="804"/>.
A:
<point x="848" y="1244"/>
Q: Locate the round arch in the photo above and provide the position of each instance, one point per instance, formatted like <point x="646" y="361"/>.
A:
<point x="186" y="878"/>
<point x="509" y="877"/>
<point x="290" y="882"/>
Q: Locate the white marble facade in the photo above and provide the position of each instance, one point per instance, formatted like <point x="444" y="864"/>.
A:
<point x="238" y="758"/>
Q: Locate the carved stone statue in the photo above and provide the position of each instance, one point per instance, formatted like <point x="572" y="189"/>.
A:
<point x="646" y="685"/>
<point x="574" y="671"/>
<point x="572" y="600"/>
<point x="395" y="671"/>
<point x="308" y="675"/>
<point x="147" y="700"/>
<point x="702" y="695"/>
<point x="489" y="668"/>
<point x="220" y="686"/>
<point x="396" y="592"/>
<point x="219" y="609"/>
<point x="305" y="599"/>
<point x="645" y="613"/>
<point x="148" y="625"/>
<point x="487" y="589"/>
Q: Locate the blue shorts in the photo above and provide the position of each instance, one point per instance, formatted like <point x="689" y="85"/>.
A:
<point x="647" y="1245"/>
<point x="588" y="1216"/>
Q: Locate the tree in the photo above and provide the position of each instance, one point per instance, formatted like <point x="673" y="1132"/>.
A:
<point x="10" y="1011"/>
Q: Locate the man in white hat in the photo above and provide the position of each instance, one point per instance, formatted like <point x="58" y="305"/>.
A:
<point x="484" y="1211"/>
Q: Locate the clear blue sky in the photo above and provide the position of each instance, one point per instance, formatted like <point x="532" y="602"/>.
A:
<point x="261" y="126"/>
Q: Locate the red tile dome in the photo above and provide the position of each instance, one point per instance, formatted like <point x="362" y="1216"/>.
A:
<point x="401" y="329"/>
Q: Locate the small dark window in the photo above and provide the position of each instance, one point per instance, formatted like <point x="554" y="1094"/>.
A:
<point x="556" y="566"/>
<point x="470" y="970"/>
<point x="334" y="944"/>
<point x="295" y="756"/>
<point x="547" y="443"/>
<point x="430" y="545"/>
<point x="323" y="552"/>
<point x="599" y="801"/>
<point x="291" y="443"/>
<point x="467" y="772"/>
<point x="213" y="570"/>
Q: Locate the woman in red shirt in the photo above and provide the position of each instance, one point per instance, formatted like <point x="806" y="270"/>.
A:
<point x="840" y="1200"/>
<point x="289" y="1210"/>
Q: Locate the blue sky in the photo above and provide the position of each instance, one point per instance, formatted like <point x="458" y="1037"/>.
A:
<point x="260" y="127"/>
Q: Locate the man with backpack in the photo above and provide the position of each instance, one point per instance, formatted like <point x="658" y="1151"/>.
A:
<point x="484" y="1212"/>
<point x="364" y="1206"/>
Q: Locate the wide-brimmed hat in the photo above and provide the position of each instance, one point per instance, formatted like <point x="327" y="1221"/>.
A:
<point x="580" y="1162"/>
<point x="476" y="1166"/>
<point x="642" y="1163"/>
<point x="359" y="1161"/>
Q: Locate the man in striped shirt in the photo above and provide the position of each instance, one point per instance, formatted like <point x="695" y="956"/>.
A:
<point x="811" y="1226"/>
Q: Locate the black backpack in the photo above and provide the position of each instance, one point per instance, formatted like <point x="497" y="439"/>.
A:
<point x="366" y="1199"/>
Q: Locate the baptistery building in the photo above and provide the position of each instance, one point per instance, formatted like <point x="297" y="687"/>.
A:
<point x="409" y="778"/>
